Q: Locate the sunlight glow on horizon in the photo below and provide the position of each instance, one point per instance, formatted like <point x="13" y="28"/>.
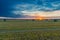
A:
<point x="41" y="13"/>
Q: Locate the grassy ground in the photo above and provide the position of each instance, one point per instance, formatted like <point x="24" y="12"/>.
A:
<point x="11" y="25"/>
<point x="24" y="24"/>
<point x="31" y="35"/>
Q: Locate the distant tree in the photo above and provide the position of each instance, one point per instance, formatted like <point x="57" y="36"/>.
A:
<point x="46" y="20"/>
<point x="4" y="20"/>
<point x="33" y="20"/>
<point x="55" y="20"/>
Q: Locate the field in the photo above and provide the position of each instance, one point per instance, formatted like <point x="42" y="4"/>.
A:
<point x="29" y="30"/>
<point x="28" y="24"/>
<point x="31" y="35"/>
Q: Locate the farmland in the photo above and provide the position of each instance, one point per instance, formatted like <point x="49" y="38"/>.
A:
<point x="29" y="30"/>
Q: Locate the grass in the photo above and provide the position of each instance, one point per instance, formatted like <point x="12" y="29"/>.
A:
<point x="29" y="25"/>
<point x="31" y="35"/>
<point x="23" y="24"/>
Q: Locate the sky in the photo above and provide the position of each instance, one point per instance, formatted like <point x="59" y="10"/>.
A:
<point x="27" y="8"/>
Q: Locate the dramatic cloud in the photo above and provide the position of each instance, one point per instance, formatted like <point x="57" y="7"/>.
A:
<point x="41" y="13"/>
<point x="20" y="8"/>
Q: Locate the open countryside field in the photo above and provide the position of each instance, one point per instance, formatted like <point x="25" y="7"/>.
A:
<point x="28" y="24"/>
<point x="31" y="35"/>
<point x="29" y="30"/>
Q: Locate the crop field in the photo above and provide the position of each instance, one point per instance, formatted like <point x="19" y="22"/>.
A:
<point x="29" y="30"/>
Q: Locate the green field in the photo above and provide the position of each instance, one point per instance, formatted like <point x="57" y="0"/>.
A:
<point x="31" y="35"/>
<point x="29" y="30"/>
<point x="28" y="24"/>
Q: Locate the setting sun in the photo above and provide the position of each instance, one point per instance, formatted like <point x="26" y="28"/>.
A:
<point x="38" y="17"/>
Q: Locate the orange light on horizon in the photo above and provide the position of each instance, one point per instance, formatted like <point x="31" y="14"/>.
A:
<point x="38" y="17"/>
